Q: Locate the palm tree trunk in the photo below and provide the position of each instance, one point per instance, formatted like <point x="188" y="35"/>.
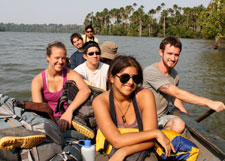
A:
<point x="164" y="26"/>
<point x="140" y="28"/>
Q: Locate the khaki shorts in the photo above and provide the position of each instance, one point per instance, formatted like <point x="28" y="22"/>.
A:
<point x="163" y="120"/>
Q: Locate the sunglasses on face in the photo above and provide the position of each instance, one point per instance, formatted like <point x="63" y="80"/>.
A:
<point x="89" y="31"/>
<point x="124" y="78"/>
<point x="92" y="53"/>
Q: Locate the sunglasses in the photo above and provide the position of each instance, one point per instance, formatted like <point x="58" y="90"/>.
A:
<point x="96" y="53"/>
<point x="124" y="78"/>
<point x="89" y="31"/>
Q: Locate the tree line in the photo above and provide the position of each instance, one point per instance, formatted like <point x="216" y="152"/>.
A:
<point x="131" y="20"/>
<point x="40" y="28"/>
<point x="186" y="22"/>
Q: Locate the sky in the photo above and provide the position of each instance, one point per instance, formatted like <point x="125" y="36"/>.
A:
<point x="73" y="11"/>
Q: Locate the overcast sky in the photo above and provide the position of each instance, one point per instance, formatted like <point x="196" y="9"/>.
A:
<point x="73" y="11"/>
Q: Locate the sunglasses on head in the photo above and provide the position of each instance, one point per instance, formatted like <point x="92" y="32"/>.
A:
<point x="124" y="78"/>
<point x="92" y="53"/>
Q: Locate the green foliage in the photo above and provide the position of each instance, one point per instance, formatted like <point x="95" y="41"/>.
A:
<point x="2" y="27"/>
<point x="212" y="20"/>
<point x="133" y="21"/>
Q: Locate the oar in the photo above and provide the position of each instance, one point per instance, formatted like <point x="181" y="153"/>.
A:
<point x="209" y="112"/>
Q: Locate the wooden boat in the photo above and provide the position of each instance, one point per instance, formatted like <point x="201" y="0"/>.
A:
<point x="212" y="147"/>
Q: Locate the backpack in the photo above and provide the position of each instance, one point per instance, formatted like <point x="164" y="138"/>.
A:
<point x="13" y="115"/>
<point x="84" y="113"/>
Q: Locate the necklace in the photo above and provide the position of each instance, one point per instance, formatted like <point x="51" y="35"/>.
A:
<point x="123" y="114"/>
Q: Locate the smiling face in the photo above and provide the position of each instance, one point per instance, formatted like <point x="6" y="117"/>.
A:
<point x="170" y="56"/>
<point x="57" y="59"/>
<point x="78" y="43"/>
<point x="128" y="87"/>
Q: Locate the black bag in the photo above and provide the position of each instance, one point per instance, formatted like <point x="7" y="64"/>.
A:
<point x="139" y="156"/>
<point x="84" y="112"/>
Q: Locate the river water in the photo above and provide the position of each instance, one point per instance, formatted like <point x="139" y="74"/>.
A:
<point x="201" y="68"/>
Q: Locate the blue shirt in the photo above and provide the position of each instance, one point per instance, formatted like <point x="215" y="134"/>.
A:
<point x="76" y="59"/>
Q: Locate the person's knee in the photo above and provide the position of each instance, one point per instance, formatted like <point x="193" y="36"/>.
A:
<point x="176" y="124"/>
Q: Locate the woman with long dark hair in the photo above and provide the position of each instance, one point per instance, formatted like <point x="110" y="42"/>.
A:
<point x="124" y="77"/>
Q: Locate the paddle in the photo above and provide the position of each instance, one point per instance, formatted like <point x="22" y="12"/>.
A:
<point x="209" y="112"/>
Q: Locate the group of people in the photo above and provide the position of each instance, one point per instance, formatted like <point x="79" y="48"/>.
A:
<point x="122" y="78"/>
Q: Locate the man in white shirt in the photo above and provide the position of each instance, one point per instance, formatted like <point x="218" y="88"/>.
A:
<point x="92" y="69"/>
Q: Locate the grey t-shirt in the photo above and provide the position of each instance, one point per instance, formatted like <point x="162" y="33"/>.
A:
<point x="154" y="79"/>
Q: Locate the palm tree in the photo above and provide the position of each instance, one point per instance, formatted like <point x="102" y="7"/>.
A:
<point x="175" y="8"/>
<point x="141" y="13"/>
<point x="128" y="10"/>
<point x="162" y="5"/>
<point x="171" y="11"/>
<point x="134" y="5"/>
<point x="150" y="13"/>
<point x="164" y="15"/>
<point x="158" y="9"/>
<point x="187" y="11"/>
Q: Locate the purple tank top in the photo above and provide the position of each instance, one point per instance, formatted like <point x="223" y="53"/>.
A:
<point x="133" y="125"/>
<point x="51" y="98"/>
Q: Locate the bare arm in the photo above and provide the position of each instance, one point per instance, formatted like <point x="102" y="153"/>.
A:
<point x="188" y="97"/>
<point x="80" y="98"/>
<point x="179" y="104"/>
<point x="36" y="88"/>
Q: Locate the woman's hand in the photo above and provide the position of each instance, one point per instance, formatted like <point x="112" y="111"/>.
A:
<point x="65" y="120"/>
<point x="165" y="143"/>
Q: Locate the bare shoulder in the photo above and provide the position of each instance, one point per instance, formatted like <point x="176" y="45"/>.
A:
<point x="144" y="93"/>
<point x="71" y="74"/>
<point x="102" y="99"/>
<point x="145" y="98"/>
<point x="37" y="79"/>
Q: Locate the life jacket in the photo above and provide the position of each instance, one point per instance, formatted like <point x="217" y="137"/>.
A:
<point x="185" y="149"/>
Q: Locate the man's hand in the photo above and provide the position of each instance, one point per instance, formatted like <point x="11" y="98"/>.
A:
<point x="216" y="105"/>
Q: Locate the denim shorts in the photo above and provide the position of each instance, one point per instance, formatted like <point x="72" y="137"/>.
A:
<point x="163" y="120"/>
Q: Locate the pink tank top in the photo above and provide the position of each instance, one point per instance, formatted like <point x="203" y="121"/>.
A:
<point x="51" y="98"/>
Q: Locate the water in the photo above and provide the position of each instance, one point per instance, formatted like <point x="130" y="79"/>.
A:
<point x="201" y="68"/>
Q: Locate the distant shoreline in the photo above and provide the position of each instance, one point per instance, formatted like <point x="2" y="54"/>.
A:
<point x="54" y="28"/>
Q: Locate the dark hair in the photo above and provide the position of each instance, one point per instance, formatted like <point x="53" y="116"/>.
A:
<point x="121" y="62"/>
<point x="57" y="44"/>
<point x="89" y="27"/>
<point x="173" y="41"/>
<point x="89" y="44"/>
<point x="75" y="35"/>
